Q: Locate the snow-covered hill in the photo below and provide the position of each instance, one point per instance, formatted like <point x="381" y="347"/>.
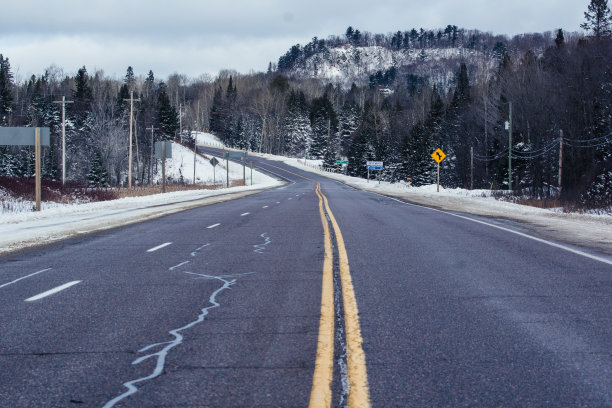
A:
<point x="349" y="64"/>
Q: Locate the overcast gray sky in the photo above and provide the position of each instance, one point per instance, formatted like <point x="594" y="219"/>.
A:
<point x="198" y="37"/>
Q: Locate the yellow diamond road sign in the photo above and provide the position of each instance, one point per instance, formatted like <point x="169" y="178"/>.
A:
<point x="438" y="155"/>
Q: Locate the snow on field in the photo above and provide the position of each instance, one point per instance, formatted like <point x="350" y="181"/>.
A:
<point x="57" y="221"/>
<point x="592" y="230"/>
<point x="180" y="167"/>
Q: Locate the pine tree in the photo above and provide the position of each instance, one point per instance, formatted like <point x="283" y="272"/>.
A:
<point x="363" y="147"/>
<point x="348" y="122"/>
<point x="6" y="91"/>
<point x="82" y="99"/>
<point x="97" y="176"/>
<point x="324" y="124"/>
<point x="229" y="134"/>
<point x="216" y="124"/>
<point x="242" y="141"/>
<point x="560" y="39"/>
<point x="129" y="78"/>
<point x="298" y="133"/>
<point x="167" y="116"/>
<point x="598" y="19"/>
<point x="422" y="140"/>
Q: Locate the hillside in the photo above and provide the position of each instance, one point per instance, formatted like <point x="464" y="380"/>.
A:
<point x="411" y="56"/>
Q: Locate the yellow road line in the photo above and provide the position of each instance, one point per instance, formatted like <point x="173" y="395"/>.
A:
<point x="321" y="394"/>
<point x="359" y="393"/>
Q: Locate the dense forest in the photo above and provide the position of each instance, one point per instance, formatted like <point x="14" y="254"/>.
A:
<point x="538" y="104"/>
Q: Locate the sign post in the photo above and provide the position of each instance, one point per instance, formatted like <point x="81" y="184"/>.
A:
<point x="163" y="151"/>
<point x="374" y="165"/>
<point x="37" y="166"/>
<point x="214" y="163"/>
<point x="26" y="136"/>
<point x="438" y="156"/>
<point x="235" y="155"/>
<point x="345" y="167"/>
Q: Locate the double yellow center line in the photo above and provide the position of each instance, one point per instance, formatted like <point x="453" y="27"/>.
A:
<point x="321" y="393"/>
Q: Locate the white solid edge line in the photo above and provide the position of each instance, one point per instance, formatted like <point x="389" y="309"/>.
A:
<point x="159" y="247"/>
<point x="52" y="291"/>
<point x="24" y="277"/>
<point x="213" y="226"/>
<point x="553" y="244"/>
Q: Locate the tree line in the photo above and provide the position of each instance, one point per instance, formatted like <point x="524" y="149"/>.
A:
<point x="559" y="86"/>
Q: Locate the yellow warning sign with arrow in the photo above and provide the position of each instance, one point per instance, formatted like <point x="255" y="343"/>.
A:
<point x="438" y="155"/>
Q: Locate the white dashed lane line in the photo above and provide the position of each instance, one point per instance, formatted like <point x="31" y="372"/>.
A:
<point x="24" y="277"/>
<point x="246" y="213"/>
<point x="213" y="226"/>
<point x="52" y="291"/>
<point x="265" y="206"/>
<point x="159" y="247"/>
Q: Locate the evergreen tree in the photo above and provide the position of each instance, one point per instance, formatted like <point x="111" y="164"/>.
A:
<point x="330" y="156"/>
<point x="167" y="116"/>
<point x="231" y="95"/>
<point x="560" y="39"/>
<point x="242" y="141"/>
<point x="82" y="99"/>
<point x="297" y="130"/>
<point x="324" y="124"/>
<point x="598" y="19"/>
<point x="456" y="142"/>
<point x="217" y="119"/>
<point x="363" y="147"/>
<point x="129" y="78"/>
<point x="148" y="88"/>
<point x="422" y="140"/>
<point x="349" y="120"/>
<point x="97" y="176"/>
<point x="6" y="91"/>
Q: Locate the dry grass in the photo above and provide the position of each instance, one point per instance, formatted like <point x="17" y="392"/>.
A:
<point x="170" y="188"/>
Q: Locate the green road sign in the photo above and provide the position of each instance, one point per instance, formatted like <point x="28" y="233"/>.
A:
<point x="235" y="155"/>
<point x="341" y="161"/>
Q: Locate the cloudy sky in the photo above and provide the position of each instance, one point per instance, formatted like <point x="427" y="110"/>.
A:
<point x="203" y="36"/>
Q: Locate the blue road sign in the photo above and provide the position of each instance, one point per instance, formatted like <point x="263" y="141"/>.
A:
<point x="374" y="165"/>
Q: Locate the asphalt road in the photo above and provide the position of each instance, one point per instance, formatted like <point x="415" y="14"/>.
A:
<point x="221" y="306"/>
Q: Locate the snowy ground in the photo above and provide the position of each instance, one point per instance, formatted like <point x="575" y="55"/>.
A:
<point x="592" y="230"/>
<point x="20" y="229"/>
<point x="58" y="221"/>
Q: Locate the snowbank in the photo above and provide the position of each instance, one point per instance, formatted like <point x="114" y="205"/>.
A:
<point x="588" y="230"/>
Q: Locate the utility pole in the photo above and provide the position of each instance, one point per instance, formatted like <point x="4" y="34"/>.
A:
<point x="63" y="102"/>
<point x="152" y="128"/>
<point x="471" y="167"/>
<point x="560" y="159"/>
<point x="195" y="152"/>
<point x="163" y="154"/>
<point x="510" y="146"/>
<point x="132" y="100"/>
<point x="181" y="123"/>
<point x="37" y="166"/>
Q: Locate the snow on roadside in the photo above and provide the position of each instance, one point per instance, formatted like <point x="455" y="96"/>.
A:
<point x="591" y="230"/>
<point x="57" y="221"/>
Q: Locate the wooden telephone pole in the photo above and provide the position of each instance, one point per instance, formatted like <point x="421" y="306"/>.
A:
<point x="63" y="102"/>
<point x="132" y="100"/>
